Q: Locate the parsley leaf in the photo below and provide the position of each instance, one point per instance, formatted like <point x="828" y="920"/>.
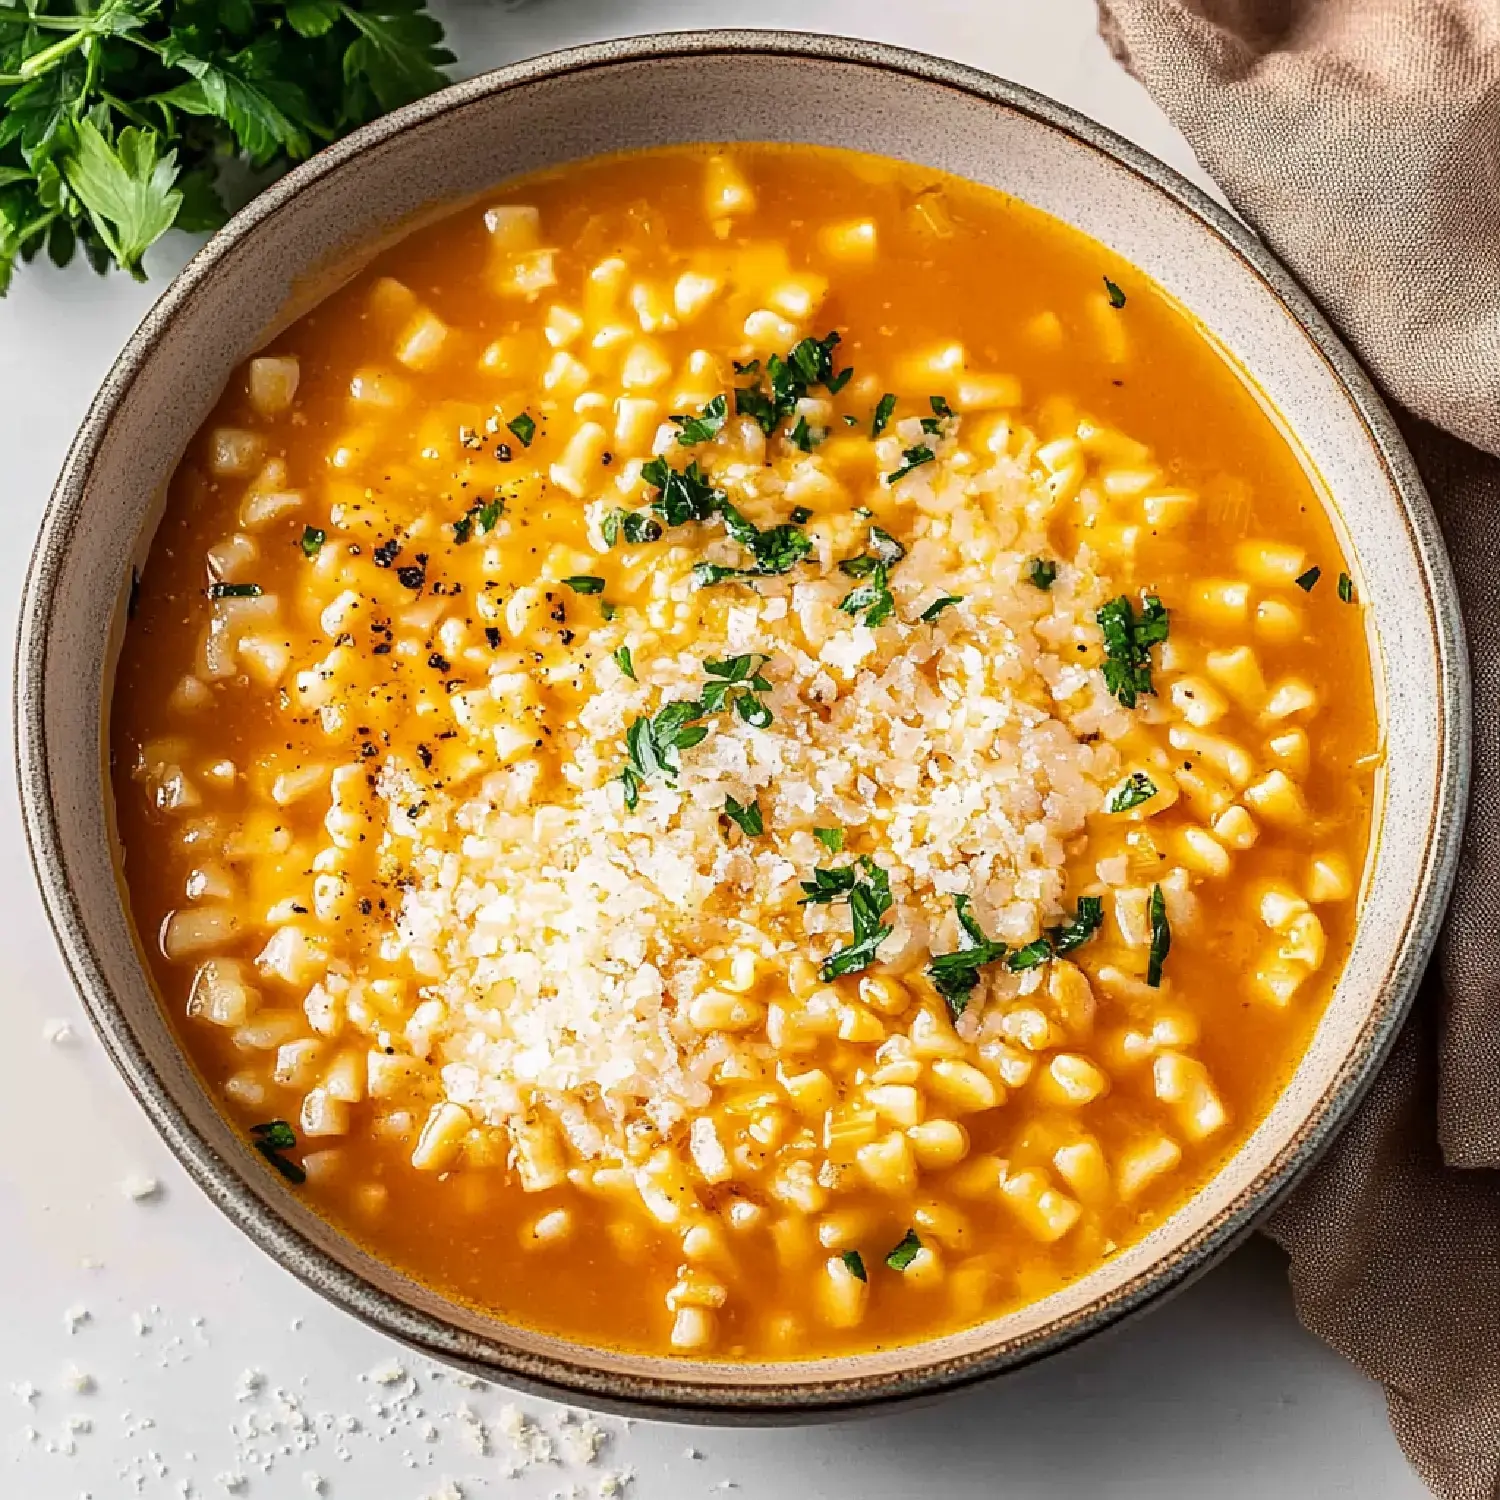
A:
<point x="883" y="410"/>
<point x="234" y="591"/>
<point x="125" y="187"/>
<point x="313" y="538"/>
<point x="1305" y="581"/>
<point x="856" y="1264"/>
<point x="1346" y="588"/>
<point x="1042" y="572"/>
<point x="522" y="428"/>
<point x="683" y="495"/>
<point x="1088" y="918"/>
<point x="584" y="583"/>
<point x="832" y="839"/>
<point x="704" y="426"/>
<point x="1161" y="937"/>
<point x="1127" y="645"/>
<point x="747" y="815"/>
<point x="1116" y="296"/>
<point x="904" y="1253"/>
<point x="624" y="663"/>
<point x="937" y="606"/>
<point x="940" y="407"/>
<point x="915" y="458"/>
<point x="1132" y="792"/>
<point x="872" y="601"/>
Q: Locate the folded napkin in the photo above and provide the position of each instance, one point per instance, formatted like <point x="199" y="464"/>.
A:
<point x="1361" y="138"/>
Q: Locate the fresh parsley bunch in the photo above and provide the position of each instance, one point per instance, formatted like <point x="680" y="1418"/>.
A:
<point x="116" y="116"/>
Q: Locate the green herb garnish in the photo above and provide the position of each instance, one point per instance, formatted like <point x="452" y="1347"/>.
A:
<point x="1127" y="645"/>
<point x="832" y="839"/>
<point x="804" y="437"/>
<point x="1161" y="937"/>
<point x="704" y="426"/>
<point x="937" y="606"/>
<point x="883" y="409"/>
<point x="867" y="889"/>
<point x="623" y="661"/>
<point x="632" y="526"/>
<point x="872" y="602"/>
<point x="584" y="583"/>
<point x="1346" y="588"/>
<point x="234" y="591"/>
<point x="523" y="428"/>
<point x="1116" y="296"/>
<point x="940" y="407"/>
<point x="955" y="974"/>
<point x="273" y="1138"/>
<point x="855" y="1261"/>
<point x="904" y="1253"/>
<point x="1132" y="792"/>
<point x="1041" y="572"/>
<point x="1088" y="918"/>
<point x="747" y="815"/>
<point x="313" y="538"/>
<point x="808" y="363"/>
<point x="915" y="458"/>
<point x="116" y="116"/>
<point x="1305" y="581"/>
<point x="683" y="495"/>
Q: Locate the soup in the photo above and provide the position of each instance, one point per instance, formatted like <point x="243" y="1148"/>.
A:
<point x="745" y="752"/>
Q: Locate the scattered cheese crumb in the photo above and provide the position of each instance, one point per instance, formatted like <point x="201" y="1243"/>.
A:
<point x="139" y="1187"/>
<point x="78" y="1380"/>
<point x="75" y="1317"/>
<point x="59" y="1032"/>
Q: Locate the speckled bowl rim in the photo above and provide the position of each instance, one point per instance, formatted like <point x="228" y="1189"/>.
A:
<point x="727" y="1400"/>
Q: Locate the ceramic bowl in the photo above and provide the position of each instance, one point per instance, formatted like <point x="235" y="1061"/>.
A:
<point x="296" y="240"/>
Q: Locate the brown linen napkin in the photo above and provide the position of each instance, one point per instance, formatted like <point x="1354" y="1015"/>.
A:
<point x="1362" y="139"/>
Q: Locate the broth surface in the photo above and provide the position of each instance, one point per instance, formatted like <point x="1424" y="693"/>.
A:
<point x="381" y="626"/>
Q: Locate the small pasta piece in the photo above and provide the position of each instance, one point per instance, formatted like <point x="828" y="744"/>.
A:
<point x="1275" y="564"/>
<point x="1142" y="1162"/>
<point x="961" y="1086"/>
<point x="727" y="192"/>
<point x="1184" y="1082"/>
<point x="889" y="1164"/>
<point x="1082" y="1165"/>
<point x="1279" y="800"/>
<point x="1329" y="878"/>
<point x="937" y="1144"/>
<point x="1238" y="672"/>
<point x="850" y="241"/>
<point x="552" y="1228"/>
<point x="1072" y="1081"/>
<point x="187" y="933"/>
<point x="442" y="1136"/>
<point x="1043" y="1211"/>
<point x="842" y="1296"/>
<point x="272" y="381"/>
<point x="322" y="1114"/>
<point x="692" y="1328"/>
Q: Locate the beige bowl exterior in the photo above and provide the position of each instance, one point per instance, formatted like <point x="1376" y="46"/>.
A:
<point x="274" y="259"/>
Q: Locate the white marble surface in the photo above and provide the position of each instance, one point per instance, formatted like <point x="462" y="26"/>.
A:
<point x="1218" y="1394"/>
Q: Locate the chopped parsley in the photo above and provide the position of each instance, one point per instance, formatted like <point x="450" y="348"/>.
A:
<point x="1305" y="581"/>
<point x="653" y="745"/>
<point x="632" y="526"/>
<point x="867" y="889"/>
<point x="704" y="426"/>
<point x="584" y="583"/>
<point x="313" y="538"/>
<point x="485" y="513"/>
<point x="954" y="975"/>
<point x="1116" y="296"/>
<point x="806" y="438"/>
<point x="747" y="815"/>
<point x="607" y="609"/>
<point x="1346" y="588"/>
<point x="800" y="515"/>
<point x="940" y="407"/>
<point x="808" y="363"/>
<point x="624" y="663"/>
<point x="1088" y="918"/>
<point x="904" y="1253"/>
<point x="883" y="409"/>
<point x="1127" y="645"/>
<point x="1041" y="572"/>
<point x="522" y="428"/>
<point x="234" y="591"/>
<point x="685" y="495"/>
<point x="1134" y="790"/>
<point x="737" y="684"/>
<point x="1161" y="937"/>
<point x="915" y="458"/>
<point x="272" y="1139"/>
<point x="855" y="1262"/>
<point x="937" y="606"/>
<point x="872" y="602"/>
<point x="832" y="839"/>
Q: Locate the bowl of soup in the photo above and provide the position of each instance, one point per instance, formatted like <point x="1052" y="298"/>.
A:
<point x="741" y="725"/>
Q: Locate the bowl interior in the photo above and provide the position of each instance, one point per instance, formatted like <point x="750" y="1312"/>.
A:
<point x="293" y="243"/>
